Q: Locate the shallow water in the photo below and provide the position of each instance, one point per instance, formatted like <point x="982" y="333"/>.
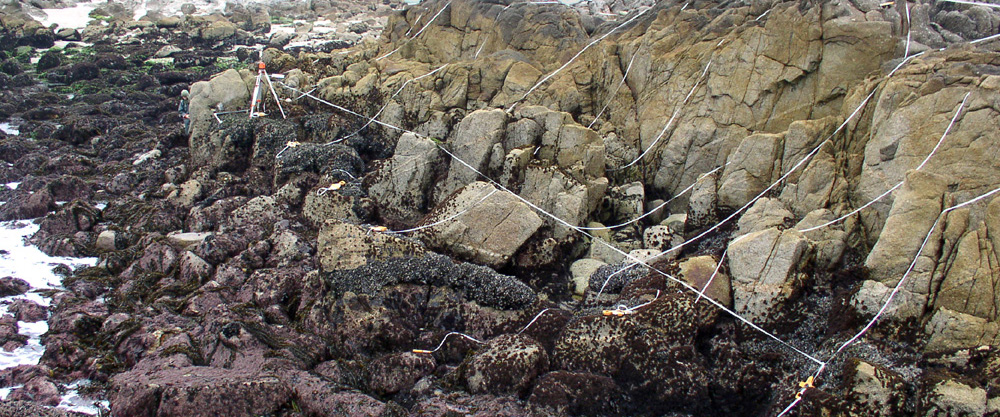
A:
<point x="20" y="260"/>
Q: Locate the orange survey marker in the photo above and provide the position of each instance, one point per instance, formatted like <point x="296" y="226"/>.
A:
<point x="333" y="187"/>
<point x="622" y="310"/>
<point x="804" y="385"/>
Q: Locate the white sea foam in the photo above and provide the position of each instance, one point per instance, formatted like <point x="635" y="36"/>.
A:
<point x="9" y="129"/>
<point x="71" y="17"/>
<point x="21" y="260"/>
<point x="73" y="401"/>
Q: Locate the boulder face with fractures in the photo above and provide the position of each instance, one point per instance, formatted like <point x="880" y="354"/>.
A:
<point x="780" y="101"/>
<point x="402" y="183"/>
<point x="766" y="268"/>
<point x="481" y="223"/>
<point x="763" y="106"/>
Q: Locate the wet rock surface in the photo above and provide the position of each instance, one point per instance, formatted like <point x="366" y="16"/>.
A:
<point x="491" y="259"/>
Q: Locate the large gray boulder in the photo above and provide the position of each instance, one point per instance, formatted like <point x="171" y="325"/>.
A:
<point x="489" y="230"/>
<point x="471" y="141"/>
<point x="968" y="283"/>
<point x="216" y="31"/>
<point x="950" y="330"/>
<point x="563" y="196"/>
<point x="816" y="183"/>
<point x="751" y="169"/>
<point x="767" y="271"/>
<point x="401" y="185"/>
<point x="764" y="214"/>
<point x="225" y="91"/>
<point x="576" y="149"/>
<point x="905" y="132"/>
<point x="829" y="242"/>
<point x="342" y="246"/>
<point x="954" y="398"/>
<point x="319" y="207"/>
<point x="917" y="205"/>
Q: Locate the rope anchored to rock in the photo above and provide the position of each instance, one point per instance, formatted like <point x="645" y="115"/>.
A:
<point x="445" y="339"/>
<point x="333" y="187"/>
<point x="417" y="34"/>
<point x="584" y="232"/>
<point x="899" y="184"/>
<point x="289" y="145"/>
<point x="450" y="218"/>
<point x="622" y="310"/>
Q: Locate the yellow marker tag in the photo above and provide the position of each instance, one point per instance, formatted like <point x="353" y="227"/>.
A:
<point x="887" y="4"/>
<point x="336" y="186"/>
<point x="292" y="144"/>
<point x="808" y="383"/>
<point x="618" y="313"/>
<point x="422" y="351"/>
<point x="380" y="228"/>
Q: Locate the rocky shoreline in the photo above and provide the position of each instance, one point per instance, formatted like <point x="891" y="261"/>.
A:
<point x="616" y="208"/>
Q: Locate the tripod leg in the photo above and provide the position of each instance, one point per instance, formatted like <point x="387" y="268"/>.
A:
<point x="275" y="95"/>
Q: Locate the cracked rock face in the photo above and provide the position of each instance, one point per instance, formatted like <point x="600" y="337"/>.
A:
<point x="239" y="274"/>
<point x="491" y="225"/>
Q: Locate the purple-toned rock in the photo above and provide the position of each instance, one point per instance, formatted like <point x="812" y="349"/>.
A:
<point x="330" y="370"/>
<point x="9" y="337"/>
<point x="28" y="206"/>
<point x="507" y="365"/>
<point x="21" y="374"/>
<point x="28" y="311"/>
<point x="63" y="354"/>
<point x="142" y="216"/>
<point x="317" y="397"/>
<point x="197" y="391"/>
<point x="397" y="372"/>
<point x="207" y="219"/>
<point x="13" y="286"/>
<point x="157" y="258"/>
<point x="69" y="187"/>
<point x="193" y="269"/>
<point x="39" y="390"/>
<point x="341" y="403"/>
<point x="276" y="286"/>
<point x="216" y="249"/>
<point x="73" y="324"/>
<point x="576" y="393"/>
<point x="11" y="408"/>
<point x="476" y="405"/>
<point x="243" y="340"/>
<point x="74" y="217"/>
<point x="82" y="320"/>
